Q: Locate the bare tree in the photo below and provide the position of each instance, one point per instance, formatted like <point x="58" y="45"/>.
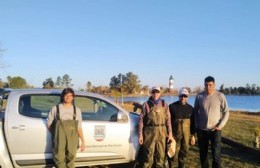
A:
<point x="2" y="64"/>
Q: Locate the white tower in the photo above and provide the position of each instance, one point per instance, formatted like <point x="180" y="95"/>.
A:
<point x="171" y="84"/>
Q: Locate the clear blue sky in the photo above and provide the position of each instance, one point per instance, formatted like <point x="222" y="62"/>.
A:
<point x="94" y="40"/>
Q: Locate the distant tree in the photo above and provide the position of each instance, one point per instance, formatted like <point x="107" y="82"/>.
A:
<point x="115" y="82"/>
<point x="228" y="91"/>
<point x="66" y="80"/>
<point x="89" y="86"/>
<point x="258" y="90"/>
<point x="58" y="82"/>
<point x="253" y="89"/>
<point x="129" y="83"/>
<point x="241" y="90"/>
<point x="132" y="83"/>
<point x="1" y="83"/>
<point x="17" y="82"/>
<point x="234" y="91"/>
<point x="116" y="94"/>
<point x="48" y="83"/>
<point x="164" y="89"/>
<point x="222" y="88"/>
<point x="146" y="89"/>
<point x="248" y="89"/>
<point x="100" y="89"/>
<point x="197" y="89"/>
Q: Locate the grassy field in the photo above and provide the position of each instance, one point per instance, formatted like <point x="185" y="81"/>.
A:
<point x="240" y="128"/>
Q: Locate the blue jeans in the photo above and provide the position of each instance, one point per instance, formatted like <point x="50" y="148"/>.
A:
<point x="215" y="140"/>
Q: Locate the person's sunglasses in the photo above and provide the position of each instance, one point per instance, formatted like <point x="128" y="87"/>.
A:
<point x="185" y="96"/>
<point x="155" y="91"/>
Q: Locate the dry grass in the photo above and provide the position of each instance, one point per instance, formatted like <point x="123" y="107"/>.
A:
<point x="240" y="127"/>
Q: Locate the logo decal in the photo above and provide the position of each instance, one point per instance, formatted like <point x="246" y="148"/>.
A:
<point x="100" y="132"/>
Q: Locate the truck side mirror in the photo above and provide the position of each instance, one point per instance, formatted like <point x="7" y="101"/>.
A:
<point x="121" y="117"/>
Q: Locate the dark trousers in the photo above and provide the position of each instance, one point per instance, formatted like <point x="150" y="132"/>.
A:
<point x="214" y="137"/>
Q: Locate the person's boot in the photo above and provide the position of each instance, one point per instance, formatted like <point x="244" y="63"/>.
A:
<point x="181" y="165"/>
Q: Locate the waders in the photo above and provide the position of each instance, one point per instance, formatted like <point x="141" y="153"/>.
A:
<point x="65" y="141"/>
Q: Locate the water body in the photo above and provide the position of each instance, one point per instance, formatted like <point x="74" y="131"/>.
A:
<point x="241" y="103"/>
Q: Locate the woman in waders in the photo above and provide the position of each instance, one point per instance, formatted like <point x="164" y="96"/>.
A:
<point x="64" y="122"/>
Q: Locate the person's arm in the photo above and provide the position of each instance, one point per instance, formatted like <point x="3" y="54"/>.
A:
<point x="81" y="137"/>
<point x="192" y="128"/>
<point x="80" y="132"/>
<point x="168" y="124"/>
<point x="141" y="124"/>
<point x="225" y="112"/>
<point x="50" y="117"/>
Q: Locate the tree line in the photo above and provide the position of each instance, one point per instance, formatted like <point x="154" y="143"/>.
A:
<point x="247" y="90"/>
<point x="127" y="84"/>
<point x="18" y="82"/>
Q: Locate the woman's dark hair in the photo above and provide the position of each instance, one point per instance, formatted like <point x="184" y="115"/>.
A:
<point x="209" y="79"/>
<point x="66" y="91"/>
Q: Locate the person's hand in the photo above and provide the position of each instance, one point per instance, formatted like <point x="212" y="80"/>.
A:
<point x="82" y="146"/>
<point x="170" y="139"/>
<point x="192" y="140"/>
<point x="216" y="128"/>
<point x="141" y="141"/>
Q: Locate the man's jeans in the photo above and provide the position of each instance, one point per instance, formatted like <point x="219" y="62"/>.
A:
<point x="215" y="139"/>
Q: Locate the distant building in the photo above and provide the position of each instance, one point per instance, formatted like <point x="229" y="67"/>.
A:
<point x="171" y="84"/>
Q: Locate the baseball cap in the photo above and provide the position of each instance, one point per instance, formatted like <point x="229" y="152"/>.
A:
<point x="156" y="88"/>
<point x="184" y="91"/>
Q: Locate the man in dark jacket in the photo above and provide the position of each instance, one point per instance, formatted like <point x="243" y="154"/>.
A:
<point x="182" y="128"/>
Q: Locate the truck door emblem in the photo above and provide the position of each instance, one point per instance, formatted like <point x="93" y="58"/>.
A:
<point x="100" y="132"/>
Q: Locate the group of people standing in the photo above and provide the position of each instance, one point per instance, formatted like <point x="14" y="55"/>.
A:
<point x="161" y="123"/>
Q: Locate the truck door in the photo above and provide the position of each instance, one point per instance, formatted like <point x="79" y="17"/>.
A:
<point x="27" y="136"/>
<point x="106" y="131"/>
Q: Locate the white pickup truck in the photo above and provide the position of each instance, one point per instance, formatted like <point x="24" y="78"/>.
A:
<point x="110" y="131"/>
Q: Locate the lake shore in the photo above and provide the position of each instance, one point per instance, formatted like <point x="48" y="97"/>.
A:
<point x="235" y="103"/>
